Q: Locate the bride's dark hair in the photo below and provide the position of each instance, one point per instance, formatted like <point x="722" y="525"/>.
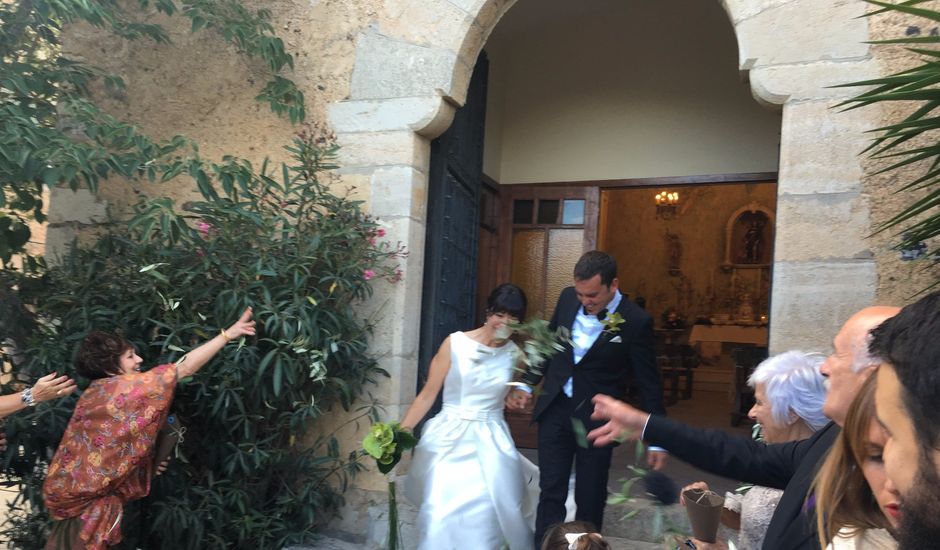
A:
<point x="507" y="298"/>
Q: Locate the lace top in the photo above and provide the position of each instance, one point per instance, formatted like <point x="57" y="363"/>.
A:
<point x="756" y="508"/>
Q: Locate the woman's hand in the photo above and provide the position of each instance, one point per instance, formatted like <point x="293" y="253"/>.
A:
<point x="162" y="466"/>
<point x="243" y="327"/>
<point x="50" y="387"/>
<point x="697" y="485"/>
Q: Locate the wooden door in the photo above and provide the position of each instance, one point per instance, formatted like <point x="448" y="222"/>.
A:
<point x="544" y="230"/>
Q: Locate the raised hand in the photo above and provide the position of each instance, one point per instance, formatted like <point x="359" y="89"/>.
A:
<point x="626" y="423"/>
<point x="50" y="387"/>
<point x="243" y="327"/>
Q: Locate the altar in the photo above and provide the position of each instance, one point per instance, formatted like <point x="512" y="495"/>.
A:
<point x="737" y="334"/>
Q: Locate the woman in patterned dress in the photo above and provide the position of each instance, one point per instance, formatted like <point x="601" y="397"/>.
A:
<point x="106" y="456"/>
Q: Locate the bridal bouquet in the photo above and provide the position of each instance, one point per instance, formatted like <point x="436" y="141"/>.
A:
<point x="385" y="443"/>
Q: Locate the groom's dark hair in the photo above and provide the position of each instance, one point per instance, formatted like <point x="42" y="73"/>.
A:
<point x="594" y="263"/>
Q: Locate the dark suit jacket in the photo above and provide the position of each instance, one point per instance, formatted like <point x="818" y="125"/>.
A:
<point x="607" y="366"/>
<point x="789" y="466"/>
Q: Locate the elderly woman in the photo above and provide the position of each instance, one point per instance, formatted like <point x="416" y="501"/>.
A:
<point x="789" y="395"/>
<point x="106" y="457"/>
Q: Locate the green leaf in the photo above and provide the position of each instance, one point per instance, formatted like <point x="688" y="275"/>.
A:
<point x="580" y="433"/>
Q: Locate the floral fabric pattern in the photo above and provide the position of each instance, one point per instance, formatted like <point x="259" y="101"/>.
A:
<point x="106" y="456"/>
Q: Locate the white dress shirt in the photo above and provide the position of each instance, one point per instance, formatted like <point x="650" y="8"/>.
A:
<point x="584" y="332"/>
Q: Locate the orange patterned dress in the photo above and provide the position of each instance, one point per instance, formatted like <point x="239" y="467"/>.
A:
<point x="106" y="457"/>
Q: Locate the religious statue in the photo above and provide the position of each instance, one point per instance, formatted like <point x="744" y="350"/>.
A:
<point x="745" y="311"/>
<point x="752" y="242"/>
<point x="674" y="252"/>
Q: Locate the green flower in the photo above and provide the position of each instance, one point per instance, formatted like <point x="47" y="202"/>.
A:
<point x="612" y="322"/>
<point x="386" y="442"/>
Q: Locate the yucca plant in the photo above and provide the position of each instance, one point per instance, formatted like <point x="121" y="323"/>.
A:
<point x="915" y="139"/>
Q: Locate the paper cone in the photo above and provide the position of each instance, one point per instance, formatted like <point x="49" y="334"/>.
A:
<point x="704" y="510"/>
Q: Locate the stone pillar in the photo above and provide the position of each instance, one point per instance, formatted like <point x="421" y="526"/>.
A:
<point x="823" y="269"/>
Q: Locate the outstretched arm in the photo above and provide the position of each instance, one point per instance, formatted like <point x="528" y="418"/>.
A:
<point x="711" y="450"/>
<point x="194" y="360"/>
<point x="46" y="388"/>
<point x="440" y="366"/>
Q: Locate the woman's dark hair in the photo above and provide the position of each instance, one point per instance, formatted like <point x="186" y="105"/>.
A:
<point x="592" y="540"/>
<point x="99" y="355"/>
<point x="509" y="299"/>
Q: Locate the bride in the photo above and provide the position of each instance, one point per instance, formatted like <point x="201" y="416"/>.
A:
<point x="466" y="474"/>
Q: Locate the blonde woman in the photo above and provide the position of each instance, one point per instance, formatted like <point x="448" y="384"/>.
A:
<point x="854" y="508"/>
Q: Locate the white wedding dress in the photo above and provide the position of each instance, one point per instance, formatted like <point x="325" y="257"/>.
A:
<point x="466" y="475"/>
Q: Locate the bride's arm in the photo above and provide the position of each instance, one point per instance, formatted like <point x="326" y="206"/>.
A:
<point x="440" y="365"/>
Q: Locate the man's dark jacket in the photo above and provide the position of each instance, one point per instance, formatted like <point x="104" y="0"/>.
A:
<point x="789" y="466"/>
<point x="616" y="357"/>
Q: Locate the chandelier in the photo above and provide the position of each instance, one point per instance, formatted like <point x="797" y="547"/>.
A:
<point x="667" y="204"/>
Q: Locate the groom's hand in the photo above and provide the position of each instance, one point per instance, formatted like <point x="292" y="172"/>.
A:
<point x="656" y="459"/>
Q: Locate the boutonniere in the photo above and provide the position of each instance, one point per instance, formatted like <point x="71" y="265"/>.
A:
<point x="612" y="323"/>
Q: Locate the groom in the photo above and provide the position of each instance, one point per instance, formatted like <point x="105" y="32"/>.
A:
<point x="611" y="339"/>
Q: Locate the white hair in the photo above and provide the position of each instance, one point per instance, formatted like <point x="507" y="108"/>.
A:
<point x="793" y="383"/>
<point x="862" y="358"/>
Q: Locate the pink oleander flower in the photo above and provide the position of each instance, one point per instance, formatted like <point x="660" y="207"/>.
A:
<point x="368" y="274"/>
<point x="380" y="232"/>
<point x="203" y="228"/>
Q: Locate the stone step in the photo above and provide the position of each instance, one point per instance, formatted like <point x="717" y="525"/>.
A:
<point x="327" y="543"/>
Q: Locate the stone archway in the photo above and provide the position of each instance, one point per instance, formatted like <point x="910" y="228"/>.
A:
<point x="412" y="70"/>
<point x="411" y="74"/>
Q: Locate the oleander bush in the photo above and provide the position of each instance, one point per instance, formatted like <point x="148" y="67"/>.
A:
<point x="247" y="474"/>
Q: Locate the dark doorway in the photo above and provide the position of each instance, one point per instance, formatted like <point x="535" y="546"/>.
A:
<point x="453" y="226"/>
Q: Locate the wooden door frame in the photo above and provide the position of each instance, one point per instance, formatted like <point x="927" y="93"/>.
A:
<point x="509" y="193"/>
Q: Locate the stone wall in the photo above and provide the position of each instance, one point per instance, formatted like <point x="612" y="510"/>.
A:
<point x="897" y="279"/>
